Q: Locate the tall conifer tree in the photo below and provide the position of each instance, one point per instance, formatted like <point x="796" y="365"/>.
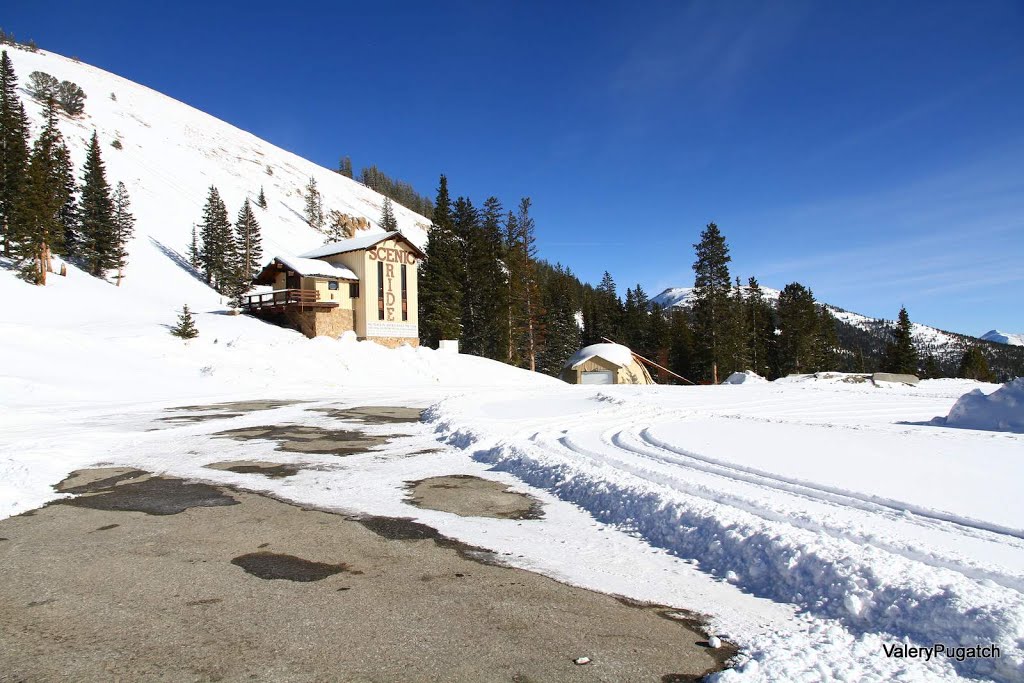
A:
<point x="40" y="231"/>
<point x="711" y="307"/>
<point x="248" y="245"/>
<point x="900" y="354"/>
<point x="14" y="152"/>
<point x="440" y="294"/>
<point x="525" y="306"/>
<point x="217" y="254"/>
<point x="798" y="328"/>
<point x="97" y="212"/>
<point x="387" y="217"/>
<point x="124" y="228"/>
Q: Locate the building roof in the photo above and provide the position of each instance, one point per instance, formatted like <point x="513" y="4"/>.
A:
<point x="309" y="267"/>
<point x="616" y="354"/>
<point x="358" y="244"/>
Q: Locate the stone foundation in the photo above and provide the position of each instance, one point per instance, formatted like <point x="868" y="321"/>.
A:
<point x="329" y="323"/>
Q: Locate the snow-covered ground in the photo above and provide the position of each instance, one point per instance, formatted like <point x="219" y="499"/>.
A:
<point x="815" y="520"/>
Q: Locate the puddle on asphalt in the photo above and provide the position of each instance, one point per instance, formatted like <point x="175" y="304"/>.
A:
<point x="277" y="566"/>
<point x="151" y="495"/>
<point x="374" y="415"/>
<point x="405" y="529"/>
<point x="98" y="479"/>
<point x="244" y="406"/>
<point x="307" y="439"/>
<point x="469" y="496"/>
<point x="220" y="411"/>
<point x="272" y="470"/>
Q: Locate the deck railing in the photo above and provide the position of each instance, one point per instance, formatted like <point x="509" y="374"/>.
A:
<point x="281" y="298"/>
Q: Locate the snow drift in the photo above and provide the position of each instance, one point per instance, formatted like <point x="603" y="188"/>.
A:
<point x="1000" y="411"/>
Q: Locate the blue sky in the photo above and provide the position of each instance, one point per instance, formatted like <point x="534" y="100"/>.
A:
<point x="872" y="151"/>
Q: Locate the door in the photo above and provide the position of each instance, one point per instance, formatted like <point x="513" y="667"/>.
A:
<point x="598" y="377"/>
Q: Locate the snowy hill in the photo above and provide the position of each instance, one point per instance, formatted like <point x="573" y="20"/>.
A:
<point x="683" y="296"/>
<point x="1008" y="338"/>
<point x="171" y="154"/>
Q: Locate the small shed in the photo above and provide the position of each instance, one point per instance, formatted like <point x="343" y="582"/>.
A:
<point x="605" y="364"/>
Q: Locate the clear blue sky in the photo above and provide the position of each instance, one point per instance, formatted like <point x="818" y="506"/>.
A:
<point x="873" y="151"/>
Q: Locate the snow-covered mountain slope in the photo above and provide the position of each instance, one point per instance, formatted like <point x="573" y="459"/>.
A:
<point x="171" y="154"/>
<point x="1008" y="338"/>
<point x="927" y="338"/>
<point x="683" y="296"/>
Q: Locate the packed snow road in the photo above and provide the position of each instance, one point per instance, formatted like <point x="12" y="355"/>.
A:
<point x="836" y="498"/>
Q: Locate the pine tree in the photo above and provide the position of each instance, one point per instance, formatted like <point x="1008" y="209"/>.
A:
<point x="314" y="205"/>
<point x="40" y="230"/>
<point x="634" y="319"/>
<point x="194" y="258"/>
<point x="68" y="216"/>
<point x="124" y="228"/>
<point x="14" y="153"/>
<point x="735" y="347"/>
<point x="466" y="228"/>
<point x="799" y="326"/>
<point x="440" y="295"/>
<point x="900" y="354"/>
<point x="525" y="308"/>
<point x="486" y="258"/>
<point x="42" y="86"/>
<point x="826" y="341"/>
<point x="261" y="200"/>
<point x="97" y="214"/>
<point x="681" y="350"/>
<point x="186" y="327"/>
<point x="761" y="330"/>
<point x="387" y="217"/>
<point x="931" y="368"/>
<point x="217" y="255"/>
<point x="345" y="167"/>
<point x="711" y="307"/>
<point x="603" y="313"/>
<point x="70" y="97"/>
<point x="248" y="248"/>
<point x="974" y="365"/>
<point x="659" y="338"/>
<point x="562" y="332"/>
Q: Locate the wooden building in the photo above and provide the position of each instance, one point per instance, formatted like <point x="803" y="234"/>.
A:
<point x="366" y="285"/>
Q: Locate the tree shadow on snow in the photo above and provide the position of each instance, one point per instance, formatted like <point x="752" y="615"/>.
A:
<point x="178" y="259"/>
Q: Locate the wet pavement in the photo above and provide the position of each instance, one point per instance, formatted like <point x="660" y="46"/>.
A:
<point x="306" y="439"/>
<point x="272" y="470"/>
<point x="470" y="496"/>
<point x="155" y="578"/>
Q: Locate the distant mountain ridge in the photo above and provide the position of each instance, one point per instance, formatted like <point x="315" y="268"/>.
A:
<point x="1008" y="338"/>
<point x="861" y="336"/>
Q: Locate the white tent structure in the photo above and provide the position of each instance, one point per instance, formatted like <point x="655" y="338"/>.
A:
<point x="605" y="364"/>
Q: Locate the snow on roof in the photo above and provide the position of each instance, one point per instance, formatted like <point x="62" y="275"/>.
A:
<point x="310" y="267"/>
<point x="616" y="354"/>
<point x="353" y="244"/>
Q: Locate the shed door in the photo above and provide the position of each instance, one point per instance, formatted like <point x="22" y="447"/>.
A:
<point x="598" y="377"/>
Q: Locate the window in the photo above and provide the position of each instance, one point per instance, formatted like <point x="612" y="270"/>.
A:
<point x="380" y="290"/>
<point x="353" y="290"/>
<point x="333" y="284"/>
<point x="405" y="294"/>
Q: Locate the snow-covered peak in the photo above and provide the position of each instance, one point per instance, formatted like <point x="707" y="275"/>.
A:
<point x="1009" y="338"/>
<point x="683" y="296"/>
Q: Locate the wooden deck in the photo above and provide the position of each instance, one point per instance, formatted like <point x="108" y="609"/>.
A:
<point x="281" y="300"/>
